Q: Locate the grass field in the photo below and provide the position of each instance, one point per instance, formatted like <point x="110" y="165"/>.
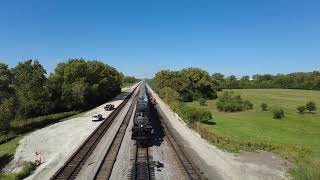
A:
<point x="288" y="135"/>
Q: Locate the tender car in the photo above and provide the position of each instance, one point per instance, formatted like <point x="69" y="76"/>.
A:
<point x="97" y="117"/>
<point x="109" y="107"/>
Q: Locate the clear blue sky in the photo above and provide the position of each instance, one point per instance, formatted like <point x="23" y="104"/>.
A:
<point x="140" y="37"/>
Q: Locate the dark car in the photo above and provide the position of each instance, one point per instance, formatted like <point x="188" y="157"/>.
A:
<point x="109" y="107"/>
<point x="97" y="117"/>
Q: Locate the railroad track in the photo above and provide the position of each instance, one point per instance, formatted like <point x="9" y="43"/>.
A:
<point x="105" y="169"/>
<point x="189" y="167"/>
<point x="142" y="170"/>
<point x="74" y="164"/>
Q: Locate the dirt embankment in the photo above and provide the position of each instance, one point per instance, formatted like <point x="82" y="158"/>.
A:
<point x="218" y="164"/>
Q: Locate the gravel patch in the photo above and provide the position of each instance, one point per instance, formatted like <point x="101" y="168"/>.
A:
<point x="218" y="164"/>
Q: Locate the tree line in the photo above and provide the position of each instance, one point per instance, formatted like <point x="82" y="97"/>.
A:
<point x="298" y="80"/>
<point x="195" y="83"/>
<point x="190" y="83"/>
<point x="78" y="84"/>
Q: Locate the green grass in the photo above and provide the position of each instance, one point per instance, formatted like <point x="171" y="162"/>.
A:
<point x="296" y="137"/>
<point x="125" y="85"/>
<point x="27" y="169"/>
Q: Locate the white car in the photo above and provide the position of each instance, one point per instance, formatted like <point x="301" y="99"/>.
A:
<point x="97" y="117"/>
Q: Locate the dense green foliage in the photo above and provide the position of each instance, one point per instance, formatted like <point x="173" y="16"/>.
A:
<point x="301" y="109"/>
<point x="80" y="84"/>
<point x="311" y="106"/>
<point x="26" y="91"/>
<point x="191" y="114"/>
<point x="264" y="106"/>
<point x="7" y="98"/>
<point x="29" y="82"/>
<point x="278" y="113"/>
<point x="228" y="101"/>
<point x="299" y="80"/>
<point x="129" y="79"/>
<point x="169" y="95"/>
<point x="190" y="83"/>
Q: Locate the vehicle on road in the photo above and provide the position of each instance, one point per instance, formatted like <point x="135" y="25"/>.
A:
<point x="97" y="117"/>
<point x="109" y="107"/>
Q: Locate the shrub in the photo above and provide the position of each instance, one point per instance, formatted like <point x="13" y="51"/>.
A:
<point x="247" y="105"/>
<point x="169" y="95"/>
<point x="311" y="106"/>
<point x="278" y="114"/>
<point x="191" y="114"/>
<point x="301" y="109"/>
<point x="264" y="107"/>
<point x="230" y="102"/>
<point x="202" y="101"/>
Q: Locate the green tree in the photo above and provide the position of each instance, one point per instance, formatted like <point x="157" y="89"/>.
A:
<point x="232" y="82"/>
<point x="229" y="102"/>
<point x="245" y="82"/>
<point x="167" y="78"/>
<point x="311" y="106"/>
<point x="190" y="83"/>
<point x="278" y="113"/>
<point x="301" y="109"/>
<point x="29" y="82"/>
<point x="80" y="84"/>
<point x="202" y="101"/>
<point x="169" y="95"/>
<point x="7" y="114"/>
<point x="264" y="107"/>
<point x="247" y="105"/>
<point x="8" y="100"/>
<point x="217" y="81"/>
<point x="196" y="83"/>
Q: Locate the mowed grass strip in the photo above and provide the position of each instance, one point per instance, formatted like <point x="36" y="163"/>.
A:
<point x="291" y="137"/>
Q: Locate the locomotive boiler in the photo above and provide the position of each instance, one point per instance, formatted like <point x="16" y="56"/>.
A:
<point x="142" y="129"/>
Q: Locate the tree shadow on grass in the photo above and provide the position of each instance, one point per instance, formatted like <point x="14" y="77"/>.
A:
<point x="4" y="160"/>
<point x="34" y="125"/>
<point x="209" y="122"/>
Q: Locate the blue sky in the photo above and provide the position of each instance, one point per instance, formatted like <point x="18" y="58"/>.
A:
<point x="140" y="37"/>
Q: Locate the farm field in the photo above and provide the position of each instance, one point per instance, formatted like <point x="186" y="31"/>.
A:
<point x="295" y="130"/>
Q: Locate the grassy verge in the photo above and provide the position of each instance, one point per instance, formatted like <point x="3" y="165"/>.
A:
<point x="126" y="85"/>
<point x="296" y="137"/>
<point x="42" y="120"/>
<point x="9" y="142"/>
<point x="27" y="169"/>
<point x="24" y="126"/>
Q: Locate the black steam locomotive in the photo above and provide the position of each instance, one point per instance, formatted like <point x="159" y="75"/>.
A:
<point x="142" y="128"/>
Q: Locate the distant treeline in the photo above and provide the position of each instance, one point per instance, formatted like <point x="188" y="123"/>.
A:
<point x="194" y="83"/>
<point x="78" y="84"/>
<point x="298" y="80"/>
